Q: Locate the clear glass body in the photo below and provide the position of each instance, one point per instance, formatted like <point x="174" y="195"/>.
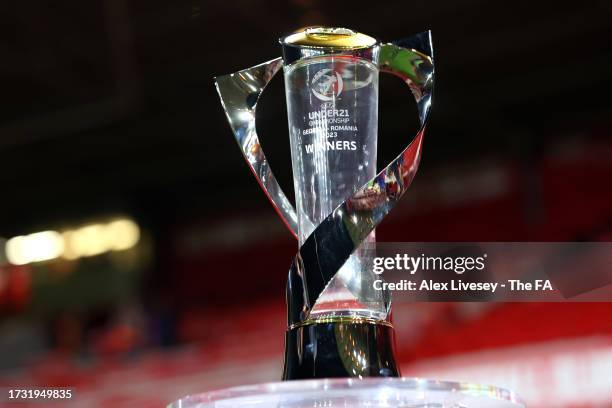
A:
<point x="349" y="392"/>
<point x="332" y="104"/>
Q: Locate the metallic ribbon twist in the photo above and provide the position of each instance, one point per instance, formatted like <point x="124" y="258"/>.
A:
<point x="342" y="232"/>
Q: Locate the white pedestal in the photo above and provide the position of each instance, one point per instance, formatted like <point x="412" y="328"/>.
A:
<point x="353" y="392"/>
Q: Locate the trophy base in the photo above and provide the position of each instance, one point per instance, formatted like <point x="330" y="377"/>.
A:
<point x="348" y="392"/>
<point x="340" y="347"/>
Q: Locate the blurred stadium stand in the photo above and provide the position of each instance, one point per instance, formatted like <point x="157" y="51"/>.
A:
<point x="108" y="110"/>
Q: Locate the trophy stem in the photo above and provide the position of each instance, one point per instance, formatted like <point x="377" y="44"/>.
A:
<point x="340" y="347"/>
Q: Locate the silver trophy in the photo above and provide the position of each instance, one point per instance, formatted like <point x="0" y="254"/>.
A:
<point x="338" y="324"/>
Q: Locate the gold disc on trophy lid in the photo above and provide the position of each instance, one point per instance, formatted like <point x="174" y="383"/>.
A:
<point x="330" y="37"/>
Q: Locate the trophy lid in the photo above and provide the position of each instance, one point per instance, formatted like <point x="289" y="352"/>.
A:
<point x="313" y="41"/>
<point x="329" y="37"/>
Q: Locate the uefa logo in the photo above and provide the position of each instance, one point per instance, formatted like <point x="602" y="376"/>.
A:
<point x="326" y="84"/>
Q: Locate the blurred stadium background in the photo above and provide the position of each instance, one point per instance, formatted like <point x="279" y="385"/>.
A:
<point x="140" y="262"/>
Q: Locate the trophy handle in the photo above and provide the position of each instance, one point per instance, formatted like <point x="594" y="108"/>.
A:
<point x="334" y="240"/>
<point x="411" y="60"/>
<point x="239" y="93"/>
